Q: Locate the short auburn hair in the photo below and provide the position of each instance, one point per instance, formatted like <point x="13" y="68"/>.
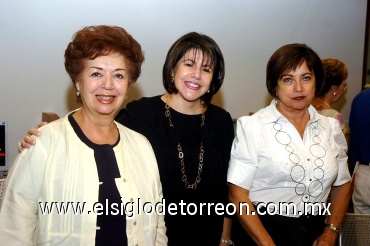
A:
<point x="335" y="73"/>
<point x="94" y="41"/>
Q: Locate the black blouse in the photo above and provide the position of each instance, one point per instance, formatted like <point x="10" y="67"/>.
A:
<point x="147" y="116"/>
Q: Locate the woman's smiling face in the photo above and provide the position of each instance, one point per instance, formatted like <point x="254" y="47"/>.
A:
<point x="193" y="75"/>
<point x="103" y="84"/>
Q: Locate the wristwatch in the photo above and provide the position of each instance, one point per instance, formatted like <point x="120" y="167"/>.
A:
<point x="332" y="227"/>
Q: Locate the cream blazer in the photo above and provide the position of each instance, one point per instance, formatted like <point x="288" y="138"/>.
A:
<point x="61" y="168"/>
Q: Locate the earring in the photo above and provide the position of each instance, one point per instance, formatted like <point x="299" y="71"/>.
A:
<point x="334" y="93"/>
<point x="208" y="91"/>
<point x="172" y="81"/>
<point x="78" y="93"/>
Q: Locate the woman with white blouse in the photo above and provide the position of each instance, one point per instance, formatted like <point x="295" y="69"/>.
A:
<point x="286" y="158"/>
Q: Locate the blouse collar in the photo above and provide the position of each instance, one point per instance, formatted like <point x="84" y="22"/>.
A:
<point x="271" y="114"/>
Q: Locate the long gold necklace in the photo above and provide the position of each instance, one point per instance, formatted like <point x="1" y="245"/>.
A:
<point x="181" y="154"/>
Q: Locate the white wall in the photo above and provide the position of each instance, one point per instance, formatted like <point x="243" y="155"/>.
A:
<point x="34" y="35"/>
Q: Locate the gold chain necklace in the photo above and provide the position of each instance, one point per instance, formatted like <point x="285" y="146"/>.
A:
<point x="181" y="154"/>
<point x="327" y="104"/>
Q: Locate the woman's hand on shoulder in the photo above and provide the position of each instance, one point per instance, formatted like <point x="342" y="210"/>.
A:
<point x="28" y="140"/>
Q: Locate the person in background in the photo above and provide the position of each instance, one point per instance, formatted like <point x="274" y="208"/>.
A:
<point x="87" y="159"/>
<point x="334" y="87"/>
<point x="287" y="157"/>
<point x="191" y="139"/>
<point x="359" y="151"/>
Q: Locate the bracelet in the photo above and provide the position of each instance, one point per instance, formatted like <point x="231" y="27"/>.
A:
<point x="332" y="227"/>
<point x="227" y="241"/>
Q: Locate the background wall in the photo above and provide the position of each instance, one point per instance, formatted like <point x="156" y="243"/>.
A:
<point x="34" y="35"/>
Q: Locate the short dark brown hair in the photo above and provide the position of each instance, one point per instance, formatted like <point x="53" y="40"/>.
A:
<point x="290" y="57"/>
<point x="94" y="41"/>
<point x="198" y="42"/>
<point x="335" y="73"/>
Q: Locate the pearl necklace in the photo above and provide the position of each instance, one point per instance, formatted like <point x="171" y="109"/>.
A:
<point x="181" y="154"/>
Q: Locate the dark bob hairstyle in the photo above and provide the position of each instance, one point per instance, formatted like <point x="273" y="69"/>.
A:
<point x="94" y="41"/>
<point x="197" y="42"/>
<point x="290" y="57"/>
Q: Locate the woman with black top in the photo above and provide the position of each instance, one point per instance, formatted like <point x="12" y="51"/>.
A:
<point x="191" y="139"/>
